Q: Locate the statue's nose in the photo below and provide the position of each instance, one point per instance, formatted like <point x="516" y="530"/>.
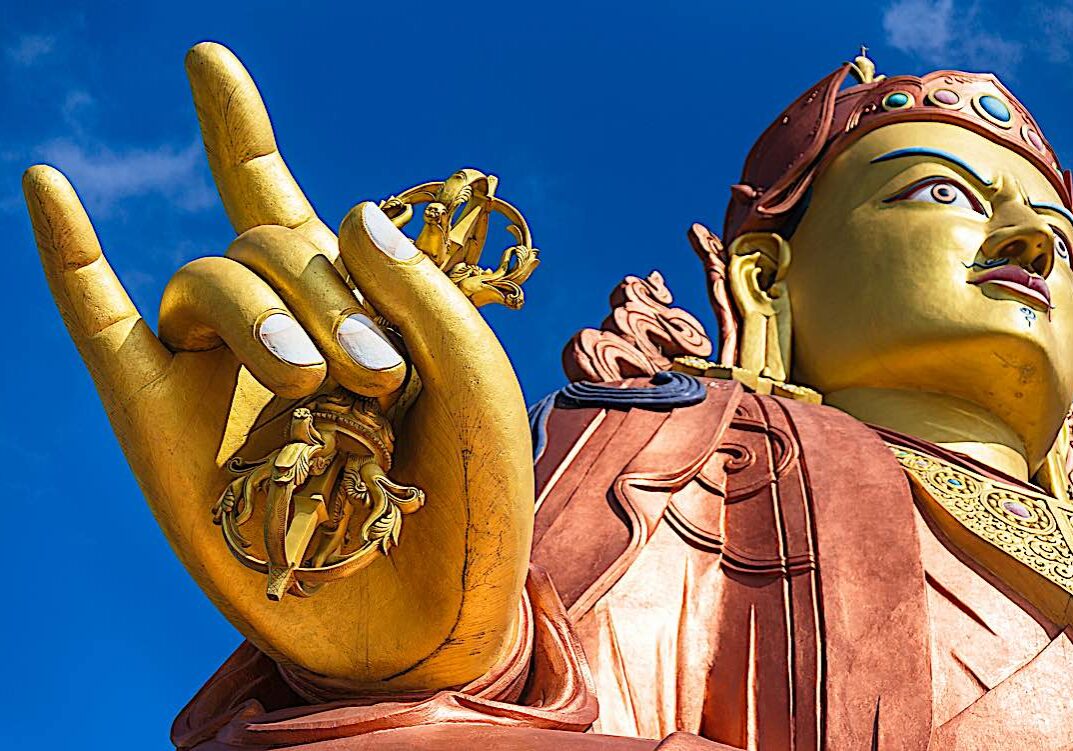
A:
<point x="1028" y="246"/>
<point x="1021" y="235"/>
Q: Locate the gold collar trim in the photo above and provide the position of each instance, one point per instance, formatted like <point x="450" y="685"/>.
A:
<point x="1023" y="538"/>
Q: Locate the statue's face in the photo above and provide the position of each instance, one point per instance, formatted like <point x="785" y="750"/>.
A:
<point x="933" y="259"/>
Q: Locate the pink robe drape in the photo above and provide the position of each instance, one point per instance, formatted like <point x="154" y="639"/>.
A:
<point x="746" y="573"/>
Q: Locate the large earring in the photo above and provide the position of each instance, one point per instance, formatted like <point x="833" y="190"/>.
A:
<point x="752" y="304"/>
<point x="758" y="263"/>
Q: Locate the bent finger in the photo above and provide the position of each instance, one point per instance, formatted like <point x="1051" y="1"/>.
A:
<point x="213" y="301"/>
<point x="254" y="182"/>
<point x="360" y="357"/>
<point x="446" y="337"/>
<point x="122" y="353"/>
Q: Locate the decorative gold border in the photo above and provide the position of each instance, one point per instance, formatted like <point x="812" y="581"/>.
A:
<point x="1031" y="551"/>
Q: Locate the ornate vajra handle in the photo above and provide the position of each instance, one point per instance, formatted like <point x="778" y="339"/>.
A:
<point x="456" y="217"/>
<point x="309" y="495"/>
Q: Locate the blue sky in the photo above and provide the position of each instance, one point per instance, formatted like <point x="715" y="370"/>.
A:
<point x="613" y="126"/>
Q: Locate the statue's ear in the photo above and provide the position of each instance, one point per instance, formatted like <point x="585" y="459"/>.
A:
<point x="758" y="263"/>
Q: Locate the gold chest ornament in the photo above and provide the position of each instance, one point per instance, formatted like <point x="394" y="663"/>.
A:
<point x="1023" y="538"/>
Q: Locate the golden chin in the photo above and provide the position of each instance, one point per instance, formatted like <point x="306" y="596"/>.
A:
<point x="881" y="293"/>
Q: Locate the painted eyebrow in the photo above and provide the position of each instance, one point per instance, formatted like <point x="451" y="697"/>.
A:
<point x="1057" y="209"/>
<point x="921" y="151"/>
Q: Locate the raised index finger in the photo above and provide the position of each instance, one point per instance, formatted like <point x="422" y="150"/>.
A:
<point x="254" y="182"/>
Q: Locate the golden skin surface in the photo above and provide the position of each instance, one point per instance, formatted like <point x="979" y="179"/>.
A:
<point x="884" y="323"/>
<point x="885" y="320"/>
<point x="207" y="387"/>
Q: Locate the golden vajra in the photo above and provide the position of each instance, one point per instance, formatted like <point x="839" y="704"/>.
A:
<point x="456" y="225"/>
<point x="305" y="495"/>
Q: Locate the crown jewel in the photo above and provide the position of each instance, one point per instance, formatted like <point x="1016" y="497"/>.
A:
<point x="827" y="118"/>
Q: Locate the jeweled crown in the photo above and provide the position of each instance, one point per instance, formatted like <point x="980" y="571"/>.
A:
<point x="827" y="118"/>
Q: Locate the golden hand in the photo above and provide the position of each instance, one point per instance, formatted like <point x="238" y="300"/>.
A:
<point x="279" y="307"/>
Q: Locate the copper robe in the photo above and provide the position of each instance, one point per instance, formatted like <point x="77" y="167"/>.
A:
<point x="747" y="572"/>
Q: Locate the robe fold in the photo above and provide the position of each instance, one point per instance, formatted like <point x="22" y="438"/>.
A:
<point x="747" y="572"/>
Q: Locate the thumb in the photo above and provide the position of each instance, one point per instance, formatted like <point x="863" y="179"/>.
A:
<point x="449" y="342"/>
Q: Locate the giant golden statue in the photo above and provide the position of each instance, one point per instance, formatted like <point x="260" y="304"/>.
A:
<point x="705" y="556"/>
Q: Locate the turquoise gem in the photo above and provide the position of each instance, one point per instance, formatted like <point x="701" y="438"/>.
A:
<point x="955" y="483"/>
<point x="995" y="107"/>
<point x="897" y="99"/>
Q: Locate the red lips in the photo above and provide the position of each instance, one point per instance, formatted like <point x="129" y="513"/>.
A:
<point x="1017" y="280"/>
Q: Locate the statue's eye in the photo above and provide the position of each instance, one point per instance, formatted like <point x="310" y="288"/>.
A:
<point x="1061" y="246"/>
<point x="942" y="191"/>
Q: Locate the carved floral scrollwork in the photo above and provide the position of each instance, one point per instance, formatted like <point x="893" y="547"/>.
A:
<point x="1032" y="528"/>
<point x="306" y="494"/>
<point x="640" y="337"/>
<point x="713" y="256"/>
<point x="456" y="216"/>
<point x="644" y="335"/>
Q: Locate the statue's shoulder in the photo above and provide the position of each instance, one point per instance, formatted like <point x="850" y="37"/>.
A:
<point x="688" y="417"/>
<point x="610" y="459"/>
<point x="651" y="432"/>
<point x="570" y="415"/>
<point x="618" y="460"/>
<point x="651" y="357"/>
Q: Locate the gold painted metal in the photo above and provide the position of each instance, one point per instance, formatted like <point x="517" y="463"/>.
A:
<point x="1054" y="475"/>
<point x="867" y="302"/>
<point x="884" y="322"/>
<point x="453" y="425"/>
<point x="306" y="492"/>
<point x="758" y="263"/>
<point x="1024" y="538"/>
<point x="456" y="215"/>
<point x="863" y="69"/>
<point x="754" y="383"/>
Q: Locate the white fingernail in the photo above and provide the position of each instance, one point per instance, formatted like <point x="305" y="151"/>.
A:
<point x="366" y="343"/>
<point x="286" y="340"/>
<point x="386" y="235"/>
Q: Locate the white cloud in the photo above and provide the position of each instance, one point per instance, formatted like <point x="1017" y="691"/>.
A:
<point x="75" y="100"/>
<point x="104" y="177"/>
<point x="993" y="53"/>
<point x="920" y="27"/>
<point x="75" y="109"/>
<point x="1056" y="22"/>
<point x="943" y="33"/>
<point x="29" y="48"/>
